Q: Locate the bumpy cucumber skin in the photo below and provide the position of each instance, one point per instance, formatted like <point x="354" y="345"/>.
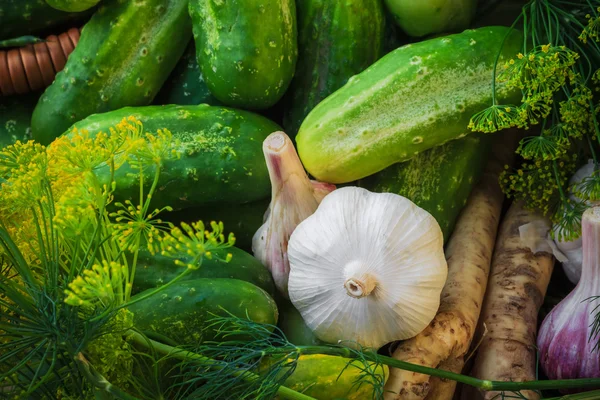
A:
<point x="247" y="49"/>
<point x="336" y="40"/>
<point x="72" y="5"/>
<point x="417" y="97"/>
<point x="15" y="118"/>
<point x="320" y="376"/>
<point x="156" y="270"/>
<point x="29" y="17"/>
<point x="185" y="85"/>
<point x="222" y="160"/>
<point x="125" y="53"/>
<point x="181" y="311"/>
<point x="438" y="180"/>
<point x="241" y="219"/>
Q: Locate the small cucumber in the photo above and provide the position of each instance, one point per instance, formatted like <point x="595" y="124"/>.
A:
<point x="15" y="118"/>
<point x="182" y="311"/>
<point x="321" y="377"/>
<point x="246" y="49"/>
<point x="222" y="160"/>
<point x="72" y="5"/>
<point x="336" y="40"/>
<point x="186" y="84"/>
<point x="125" y="53"/>
<point x="415" y="98"/>
<point x="156" y="270"/>
<point x="438" y="180"/>
<point x="241" y="219"/>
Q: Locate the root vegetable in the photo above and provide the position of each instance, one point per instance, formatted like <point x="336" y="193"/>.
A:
<point x="469" y="253"/>
<point x="516" y="291"/>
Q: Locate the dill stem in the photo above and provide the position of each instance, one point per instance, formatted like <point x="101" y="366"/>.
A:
<point x="283" y="392"/>
<point x="468" y="380"/>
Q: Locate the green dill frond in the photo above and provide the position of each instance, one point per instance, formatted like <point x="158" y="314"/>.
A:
<point x="495" y="118"/>
<point x="588" y="189"/>
<point x="567" y="220"/>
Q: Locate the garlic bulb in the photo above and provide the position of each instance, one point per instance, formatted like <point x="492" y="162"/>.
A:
<point x="293" y="198"/>
<point x="367" y="267"/>
<point x="572" y="250"/>
<point x="565" y="341"/>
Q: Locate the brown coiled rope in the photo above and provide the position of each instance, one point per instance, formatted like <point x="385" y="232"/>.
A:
<point x="34" y="67"/>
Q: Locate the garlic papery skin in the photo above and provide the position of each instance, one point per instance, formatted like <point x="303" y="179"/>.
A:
<point x="564" y="344"/>
<point x="294" y="197"/>
<point x="367" y="268"/>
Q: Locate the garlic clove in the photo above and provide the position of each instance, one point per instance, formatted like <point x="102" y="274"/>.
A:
<point x="294" y="197"/>
<point x="367" y="267"/>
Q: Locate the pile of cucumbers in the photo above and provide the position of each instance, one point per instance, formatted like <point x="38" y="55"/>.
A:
<point x="366" y="104"/>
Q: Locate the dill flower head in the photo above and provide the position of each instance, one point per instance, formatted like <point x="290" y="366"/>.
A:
<point x="592" y="28"/>
<point x="196" y="242"/>
<point x="495" y="118"/>
<point x="102" y="285"/>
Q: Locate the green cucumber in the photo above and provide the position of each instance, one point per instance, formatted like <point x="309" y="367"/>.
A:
<point x="182" y="311"/>
<point x="417" y="97"/>
<point x="155" y="270"/>
<point x="241" y="219"/>
<point x="222" y="160"/>
<point x="186" y="84"/>
<point x="15" y="118"/>
<point x="72" y="5"/>
<point x="246" y="50"/>
<point x="31" y="17"/>
<point x="424" y="17"/>
<point x="438" y="180"/>
<point x="125" y="53"/>
<point x="336" y="40"/>
<point x="327" y="377"/>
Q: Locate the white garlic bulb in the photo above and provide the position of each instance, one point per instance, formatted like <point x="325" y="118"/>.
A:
<point x="367" y="268"/>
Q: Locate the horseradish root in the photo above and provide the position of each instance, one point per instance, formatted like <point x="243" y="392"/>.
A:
<point x="516" y="291"/>
<point x="446" y="340"/>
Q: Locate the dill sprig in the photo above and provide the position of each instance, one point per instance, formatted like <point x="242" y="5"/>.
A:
<point x="557" y="74"/>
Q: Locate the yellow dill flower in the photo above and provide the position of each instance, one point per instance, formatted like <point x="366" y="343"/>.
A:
<point x="195" y="242"/>
<point x="103" y="284"/>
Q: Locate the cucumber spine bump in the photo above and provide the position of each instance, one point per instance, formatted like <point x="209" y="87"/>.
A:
<point x="417" y="97"/>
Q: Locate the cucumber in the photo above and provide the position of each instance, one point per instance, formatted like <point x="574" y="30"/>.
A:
<point x="182" y="311"/>
<point x="125" y="53"/>
<point x="186" y="84"/>
<point x="32" y="17"/>
<point x="415" y="98"/>
<point x="15" y="118"/>
<point x="424" y="17"/>
<point x="156" y="270"/>
<point x="223" y="162"/>
<point x="246" y="49"/>
<point x="336" y="40"/>
<point x="241" y="219"/>
<point x="72" y="5"/>
<point x="438" y="180"/>
<point x="320" y="376"/>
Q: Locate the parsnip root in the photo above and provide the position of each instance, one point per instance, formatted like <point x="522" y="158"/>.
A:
<point x="516" y="291"/>
<point x="446" y="340"/>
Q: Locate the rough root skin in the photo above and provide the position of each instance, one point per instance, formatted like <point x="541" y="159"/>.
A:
<point x="517" y="287"/>
<point x="444" y="343"/>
